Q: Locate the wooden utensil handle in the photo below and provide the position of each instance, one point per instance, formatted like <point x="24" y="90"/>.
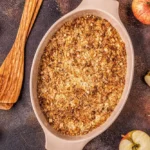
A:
<point x="35" y="15"/>
<point x="28" y="13"/>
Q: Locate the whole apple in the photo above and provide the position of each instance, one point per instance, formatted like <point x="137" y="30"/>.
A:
<point x="141" y="10"/>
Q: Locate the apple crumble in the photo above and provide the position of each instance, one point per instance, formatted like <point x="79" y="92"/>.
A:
<point x="81" y="75"/>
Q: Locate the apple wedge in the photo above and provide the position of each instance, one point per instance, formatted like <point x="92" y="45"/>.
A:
<point x="135" y="140"/>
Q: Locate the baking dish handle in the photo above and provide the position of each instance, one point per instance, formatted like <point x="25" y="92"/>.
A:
<point x="109" y="6"/>
<point x="55" y="143"/>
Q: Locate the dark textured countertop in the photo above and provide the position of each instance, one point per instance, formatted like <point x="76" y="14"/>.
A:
<point x="19" y="129"/>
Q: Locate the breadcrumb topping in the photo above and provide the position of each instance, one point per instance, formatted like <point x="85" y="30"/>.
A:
<point x="81" y="75"/>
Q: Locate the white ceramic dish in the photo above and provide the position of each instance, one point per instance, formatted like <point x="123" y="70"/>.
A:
<point x="107" y="9"/>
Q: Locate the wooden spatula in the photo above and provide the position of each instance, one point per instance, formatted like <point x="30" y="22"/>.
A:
<point x="12" y="69"/>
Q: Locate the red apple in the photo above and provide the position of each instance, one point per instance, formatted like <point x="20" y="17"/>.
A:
<point x="141" y="10"/>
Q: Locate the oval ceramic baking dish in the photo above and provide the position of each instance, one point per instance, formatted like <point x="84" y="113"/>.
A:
<point x="107" y="9"/>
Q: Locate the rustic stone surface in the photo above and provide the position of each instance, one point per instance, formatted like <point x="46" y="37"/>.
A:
<point x="19" y="129"/>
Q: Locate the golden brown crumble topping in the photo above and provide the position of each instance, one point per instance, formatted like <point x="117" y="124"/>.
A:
<point x="81" y="75"/>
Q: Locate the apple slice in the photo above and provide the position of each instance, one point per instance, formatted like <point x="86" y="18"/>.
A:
<point x="135" y="140"/>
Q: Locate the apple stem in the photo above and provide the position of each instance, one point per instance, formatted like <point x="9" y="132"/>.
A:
<point x="122" y="136"/>
<point x="148" y="3"/>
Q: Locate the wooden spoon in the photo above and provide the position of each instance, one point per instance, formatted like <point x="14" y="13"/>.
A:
<point x="12" y="69"/>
